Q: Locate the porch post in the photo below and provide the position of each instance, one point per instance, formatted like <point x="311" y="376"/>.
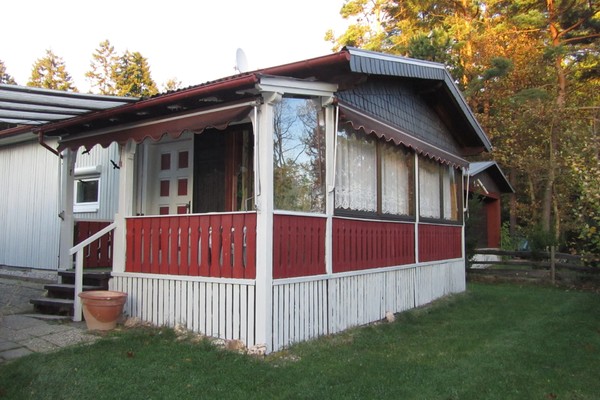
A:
<point x="125" y="206"/>
<point x="330" y="143"/>
<point x="67" y="181"/>
<point x="264" y="219"/>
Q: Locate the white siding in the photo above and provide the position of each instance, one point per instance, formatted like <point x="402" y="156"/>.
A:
<point x="28" y="206"/>
<point x="29" y="178"/>
<point x="109" y="180"/>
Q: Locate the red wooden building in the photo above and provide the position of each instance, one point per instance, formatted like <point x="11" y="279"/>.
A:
<point x="290" y="202"/>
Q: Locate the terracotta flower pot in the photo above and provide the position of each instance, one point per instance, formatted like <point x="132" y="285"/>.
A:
<point x="102" y="308"/>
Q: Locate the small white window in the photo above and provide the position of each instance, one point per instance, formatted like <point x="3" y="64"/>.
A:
<point x="86" y="190"/>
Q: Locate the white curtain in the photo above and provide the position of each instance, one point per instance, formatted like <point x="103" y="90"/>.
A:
<point x="429" y="189"/>
<point x="356" y="173"/>
<point x="395" y="175"/>
<point x="450" y="194"/>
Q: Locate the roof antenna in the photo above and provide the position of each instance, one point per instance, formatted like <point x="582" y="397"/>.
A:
<point x="241" y="62"/>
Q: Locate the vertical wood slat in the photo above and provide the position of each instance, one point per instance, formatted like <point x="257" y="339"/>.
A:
<point x="216" y="245"/>
<point x="371" y="244"/>
<point x="298" y="246"/>
<point x="439" y="242"/>
<point x="97" y="254"/>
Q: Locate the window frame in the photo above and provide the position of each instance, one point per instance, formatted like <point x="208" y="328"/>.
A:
<point x="86" y="206"/>
<point x="442" y="170"/>
<point x="378" y="213"/>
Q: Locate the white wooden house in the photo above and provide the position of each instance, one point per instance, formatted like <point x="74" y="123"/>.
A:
<point x="282" y="204"/>
<point x="30" y="175"/>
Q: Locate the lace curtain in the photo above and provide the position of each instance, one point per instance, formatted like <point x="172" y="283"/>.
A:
<point x="395" y="180"/>
<point x="356" y="173"/>
<point x="429" y="189"/>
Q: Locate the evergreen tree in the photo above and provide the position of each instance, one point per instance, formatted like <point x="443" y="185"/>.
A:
<point x="4" y="76"/>
<point x="102" y="67"/>
<point x="132" y="76"/>
<point x="50" y="72"/>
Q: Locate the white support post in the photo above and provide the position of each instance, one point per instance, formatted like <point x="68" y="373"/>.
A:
<point x="263" y="128"/>
<point x="330" y="143"/>
<point x="125" y="207"/>
<point x="417" y="207"/>
<point x="65" y="260"/>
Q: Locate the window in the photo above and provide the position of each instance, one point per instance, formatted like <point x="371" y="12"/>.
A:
<point x="299" y="156"/>
<point x="372" y="176"/>
<point x="86" y="194"/>
<point x="439" y="191"/>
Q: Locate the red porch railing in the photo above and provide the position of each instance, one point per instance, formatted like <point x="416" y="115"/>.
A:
<point x="439" y="242"/>
<point x="211" y="245"/>
<point x="298" y="246"/>
<point x="97" y="254"/>
<point x="371" y="244"/>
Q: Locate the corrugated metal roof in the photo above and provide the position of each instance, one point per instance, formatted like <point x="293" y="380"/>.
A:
<point x="22" y="105"/>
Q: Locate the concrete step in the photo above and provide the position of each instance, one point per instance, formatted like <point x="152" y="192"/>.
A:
<point x="67" y="290"/>
<point x="47" y="305"/>
<point x="93" y="277"/>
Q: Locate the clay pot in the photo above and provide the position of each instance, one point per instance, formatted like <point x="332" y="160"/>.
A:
<point x="102" y="308"/>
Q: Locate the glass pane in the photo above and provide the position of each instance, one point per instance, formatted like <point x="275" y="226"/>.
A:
<point x="87" y="191"/>
<point x="356" y="172"/>
<point x="182" y="185"/>
<point x="429" y="189"/>
<point x="183" y="159"/>
<point x="165" y="162"/>
<point x="451" y="193"/>
<point x="164" y="188"/>
<point x="397" y="180"/>
<point x="298" y="156"/>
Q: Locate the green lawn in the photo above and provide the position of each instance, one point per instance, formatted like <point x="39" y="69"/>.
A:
<point x="493" y="342"/>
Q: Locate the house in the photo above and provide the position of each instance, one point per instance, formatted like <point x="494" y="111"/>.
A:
<point x="282" y="204"/>
<point x="487" y="184"/>
<point x="29" y="210"/>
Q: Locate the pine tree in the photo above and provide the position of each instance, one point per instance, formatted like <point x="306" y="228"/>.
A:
<point x="4" y="76"/>
<point x="102" y="67"/>
<point x="132" y="76"/>
<point x="50" y="72"/>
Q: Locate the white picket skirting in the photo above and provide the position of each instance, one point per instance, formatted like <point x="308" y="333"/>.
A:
<point x="215" y="307"/>
<point x="302" y="308"/>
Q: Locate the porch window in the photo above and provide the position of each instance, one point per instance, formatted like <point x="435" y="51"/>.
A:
<point x="86" y="194"/>
<point x="438" y="191"/>
<point x="299" y="156"/>
<point x="372" y="176"/>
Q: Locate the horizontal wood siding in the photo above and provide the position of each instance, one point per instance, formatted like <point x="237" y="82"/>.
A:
<point x="371" y="244"/>
<point x="97" y="254"/>
<point x="439" y="242"/>
<point x="298" y="246"/>
<point x="212" y="245"/>
<point x="223" y="310"/>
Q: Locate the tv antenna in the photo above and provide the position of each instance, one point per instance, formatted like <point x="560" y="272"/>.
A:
<point x="241" y="62"/>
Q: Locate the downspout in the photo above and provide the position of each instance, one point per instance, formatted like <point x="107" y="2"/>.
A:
<point x="45" y="145"/>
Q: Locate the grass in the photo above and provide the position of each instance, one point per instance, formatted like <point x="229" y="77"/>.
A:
<point x="492" y="342"/>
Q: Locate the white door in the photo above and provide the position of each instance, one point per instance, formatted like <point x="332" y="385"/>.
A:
<point x="171" y="189"/>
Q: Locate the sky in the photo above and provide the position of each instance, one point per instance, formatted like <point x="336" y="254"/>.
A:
<point x="192" y="41"/>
